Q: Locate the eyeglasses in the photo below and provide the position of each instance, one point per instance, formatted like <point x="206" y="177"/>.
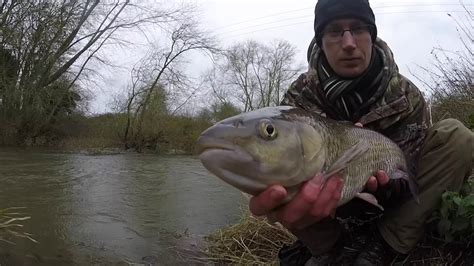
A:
<point x="335" y="34"/>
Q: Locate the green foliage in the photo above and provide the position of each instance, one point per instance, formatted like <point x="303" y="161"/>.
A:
<point x="162" y="132"/>
<point x="180" y="133"/>
<point x="471" y="122"/>
<point x="224" y="110"/>
<point x="218" y="112"/>
<point x="28" y="117"/>
<point x="79" y="132"/>
<point x="35" y="86"/>
<point x="456" y="214"/>
<point x="154" y="129"/>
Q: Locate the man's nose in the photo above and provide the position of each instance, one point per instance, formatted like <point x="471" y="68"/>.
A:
<point x="348" y="41"/>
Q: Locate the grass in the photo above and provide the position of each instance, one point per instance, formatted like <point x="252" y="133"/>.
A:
<point x="252" y="241"/>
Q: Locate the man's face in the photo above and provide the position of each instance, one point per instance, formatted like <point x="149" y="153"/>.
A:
<point x="348" y="55"/>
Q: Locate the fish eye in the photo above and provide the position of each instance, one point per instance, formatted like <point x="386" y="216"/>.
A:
<point x="267" y="130"/>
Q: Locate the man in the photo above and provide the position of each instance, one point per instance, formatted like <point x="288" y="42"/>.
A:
<point x="352" y="76"/>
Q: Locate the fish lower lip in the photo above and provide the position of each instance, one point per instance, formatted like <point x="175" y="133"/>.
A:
<point x="228" y="164"/>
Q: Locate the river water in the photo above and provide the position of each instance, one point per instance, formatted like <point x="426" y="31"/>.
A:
<point x="110" y="209"/>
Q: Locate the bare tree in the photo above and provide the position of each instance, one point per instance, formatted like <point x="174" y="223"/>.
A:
<point x="279" y="70"/>
<point x="238" y="73"/>
<point x="159" y="72"/>
<point x="51" y="43"/>
<point x="257" y="74"/>
<point x="217" y="90"/>
<point x="451" y="76"/>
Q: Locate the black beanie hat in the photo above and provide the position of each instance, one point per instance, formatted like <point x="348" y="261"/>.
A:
<point x="328" y="10"/>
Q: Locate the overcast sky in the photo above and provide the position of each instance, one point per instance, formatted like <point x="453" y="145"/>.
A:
<point x="411" y="29"/>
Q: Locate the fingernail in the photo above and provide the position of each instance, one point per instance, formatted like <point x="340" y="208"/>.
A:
<point x="276" y="194"/>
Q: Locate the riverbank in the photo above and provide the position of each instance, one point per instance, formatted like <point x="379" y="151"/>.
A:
<point x="256" y="241"/>
<point x="93" y="146"/>
<point x="164" y="134"/>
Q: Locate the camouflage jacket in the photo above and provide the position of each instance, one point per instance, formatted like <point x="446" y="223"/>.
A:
<point x="399" y="111"/>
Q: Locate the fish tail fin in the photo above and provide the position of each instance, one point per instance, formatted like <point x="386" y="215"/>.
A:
<point x="412" y="186"/>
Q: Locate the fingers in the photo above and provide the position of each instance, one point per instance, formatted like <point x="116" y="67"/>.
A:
<point x="379" y="180"/>
<point x="293" y="212"/>
<point x="372" y="185"/>
<point x="334" y="198"/>
<point x="313" y="203"/>
<point x="328" y="199"/>
<point x="268" y="200"/>
<point x="358" y="124"/>
<point x="382" y="178"/>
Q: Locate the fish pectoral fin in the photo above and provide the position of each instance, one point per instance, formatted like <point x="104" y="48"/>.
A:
<point x="346" y="158"/>
<point x="369" y="198"/>
<point x="412" y="186"/>
<point x="246" y="195"/>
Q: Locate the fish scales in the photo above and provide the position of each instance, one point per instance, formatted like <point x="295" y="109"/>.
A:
<point x="340" y="137"/>
<point x="369" y="162"/>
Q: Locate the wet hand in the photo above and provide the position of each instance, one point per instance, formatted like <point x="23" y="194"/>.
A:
<point x="314" y="202"/>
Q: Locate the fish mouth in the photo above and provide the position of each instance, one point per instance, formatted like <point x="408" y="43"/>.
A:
<point x="209" y="143"/>
<point x="211" y="149"/>
<point x="230" y="163"/>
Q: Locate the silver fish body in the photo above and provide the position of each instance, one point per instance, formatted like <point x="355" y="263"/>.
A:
<point x="287" y="146"/>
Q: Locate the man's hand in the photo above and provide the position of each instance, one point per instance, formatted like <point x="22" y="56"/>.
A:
<point x="314" y="202"/>
<point x="379" y="180"/>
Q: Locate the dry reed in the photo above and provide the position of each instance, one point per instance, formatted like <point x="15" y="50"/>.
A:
<point x="252" y="241"/>
<point x="11" y="224"/>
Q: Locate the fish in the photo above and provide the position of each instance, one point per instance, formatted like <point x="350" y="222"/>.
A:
<point x="288" y="145"/>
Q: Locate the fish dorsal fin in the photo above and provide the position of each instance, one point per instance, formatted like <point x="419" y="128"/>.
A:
<point x="346" y="158"/>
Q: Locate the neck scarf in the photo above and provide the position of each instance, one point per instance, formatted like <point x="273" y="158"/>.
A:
<point x="348" y="97"/>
